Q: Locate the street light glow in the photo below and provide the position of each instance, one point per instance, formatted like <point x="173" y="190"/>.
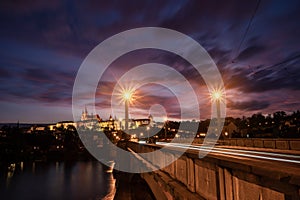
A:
<point x="127" y="95"/>
<point x="216" y="95"/>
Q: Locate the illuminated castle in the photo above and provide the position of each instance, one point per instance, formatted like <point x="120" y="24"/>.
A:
<point x="92" y="121"/>
<point x="85" y="115"/>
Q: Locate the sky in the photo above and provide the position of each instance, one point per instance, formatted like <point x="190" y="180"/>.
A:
<point x="254" y="44"/>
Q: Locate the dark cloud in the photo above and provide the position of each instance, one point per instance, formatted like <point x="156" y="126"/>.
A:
<point x="250" y="51"/>
<point x="4" y="73"/>
<point x="265" y="78"/>
<point x="37" y="75"/>
<point x="248" y="105"/>
<point x="38" y="85"/>
<point x="42" y="45"/>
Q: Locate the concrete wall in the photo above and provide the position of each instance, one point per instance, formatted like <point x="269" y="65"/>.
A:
<point x="212" y="178"/>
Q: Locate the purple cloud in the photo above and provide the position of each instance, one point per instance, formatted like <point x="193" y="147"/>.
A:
<point x="42" y="45"/>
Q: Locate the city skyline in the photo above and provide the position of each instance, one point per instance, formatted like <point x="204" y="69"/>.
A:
<point x="254" y="45"/>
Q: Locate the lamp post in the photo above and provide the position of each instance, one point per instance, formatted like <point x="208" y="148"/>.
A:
<point x="217" y="97"/>
<point x="166" y="127"/>
<point x="126" y="115"/>
<point x="127" y="96"/>
<point x="148" y="133"/>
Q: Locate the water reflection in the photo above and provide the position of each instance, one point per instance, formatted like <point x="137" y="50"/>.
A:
<point x="21" y="166"/>
<point x="112" y="188"/>
<point x="58" y="180"/>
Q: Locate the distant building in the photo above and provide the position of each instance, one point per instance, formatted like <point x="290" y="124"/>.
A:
<point x="229" y="128"/>
<point x="136" y="123"/>
<point x="36" y="129"/>
<point x="52" y="127"/>
<point x="88" y="121"/>
<point x="40" y="128"/>
<point x="110" y="124"/>
<point x="85" y="116"/>
<point x="65" y="124"/>
<point x="91" y="121"/>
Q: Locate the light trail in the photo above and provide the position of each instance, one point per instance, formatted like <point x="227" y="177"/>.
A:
<point x="235" y="152"/>
<point x="242" y="151"/>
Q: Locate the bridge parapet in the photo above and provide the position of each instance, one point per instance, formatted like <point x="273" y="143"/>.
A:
<point x="269" y="143"/>
<point x="282" y="144"/>
<point x="220" y="177"/>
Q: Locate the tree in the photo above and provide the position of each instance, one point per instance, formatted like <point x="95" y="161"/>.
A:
<point x="279" y="117"/>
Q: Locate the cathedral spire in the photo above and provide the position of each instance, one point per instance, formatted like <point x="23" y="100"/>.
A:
<point x="85" y="109"/>
<point x="84" y="115"/>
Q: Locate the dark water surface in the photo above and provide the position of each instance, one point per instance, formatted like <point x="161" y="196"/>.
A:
<point x="57" y="180"/>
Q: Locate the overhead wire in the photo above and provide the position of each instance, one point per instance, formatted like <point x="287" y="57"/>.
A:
<point x="248" y="27"/>
<point x="244" y="37"/>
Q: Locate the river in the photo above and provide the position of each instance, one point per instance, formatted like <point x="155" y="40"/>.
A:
<point x="58" y="180"/>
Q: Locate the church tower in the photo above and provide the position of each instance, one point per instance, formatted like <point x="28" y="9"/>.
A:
<point x="84" y="115"/>
<point x="150" y="117"/>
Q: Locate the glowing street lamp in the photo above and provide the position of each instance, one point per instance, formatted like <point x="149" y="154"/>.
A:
<point x="127" y="97"/>
<point x="217" y="96"/>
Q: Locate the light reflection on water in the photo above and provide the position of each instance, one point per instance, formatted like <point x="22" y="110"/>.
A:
<point x="58" y="180"/>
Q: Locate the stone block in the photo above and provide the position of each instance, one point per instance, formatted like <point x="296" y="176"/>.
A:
<point x="181" y="171"/>
<point x="221" y="183"/>
<point x="245" y="190"/>
<point x="226" y="142"/>
<point x="258" y="143"/>
<point x="190" y="174"/>
<point x="248" y="143"/>
<point x="208" y="164"/>
<point x="225" y="184"/>
<point x="249" y="191"/>
<point x="269" y="144"/>
<point x="206" y="182"/>
<point x="228" y="184"/>
<point x="295" y="145"/>
<point x="240" y="142"/>
<point x="282" y="144"/>
<point x="232" y="142"/>
<point x="169" y="168"/>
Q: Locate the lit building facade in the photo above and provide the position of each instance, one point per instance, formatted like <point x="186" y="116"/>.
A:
<point x="90" y="121"/>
